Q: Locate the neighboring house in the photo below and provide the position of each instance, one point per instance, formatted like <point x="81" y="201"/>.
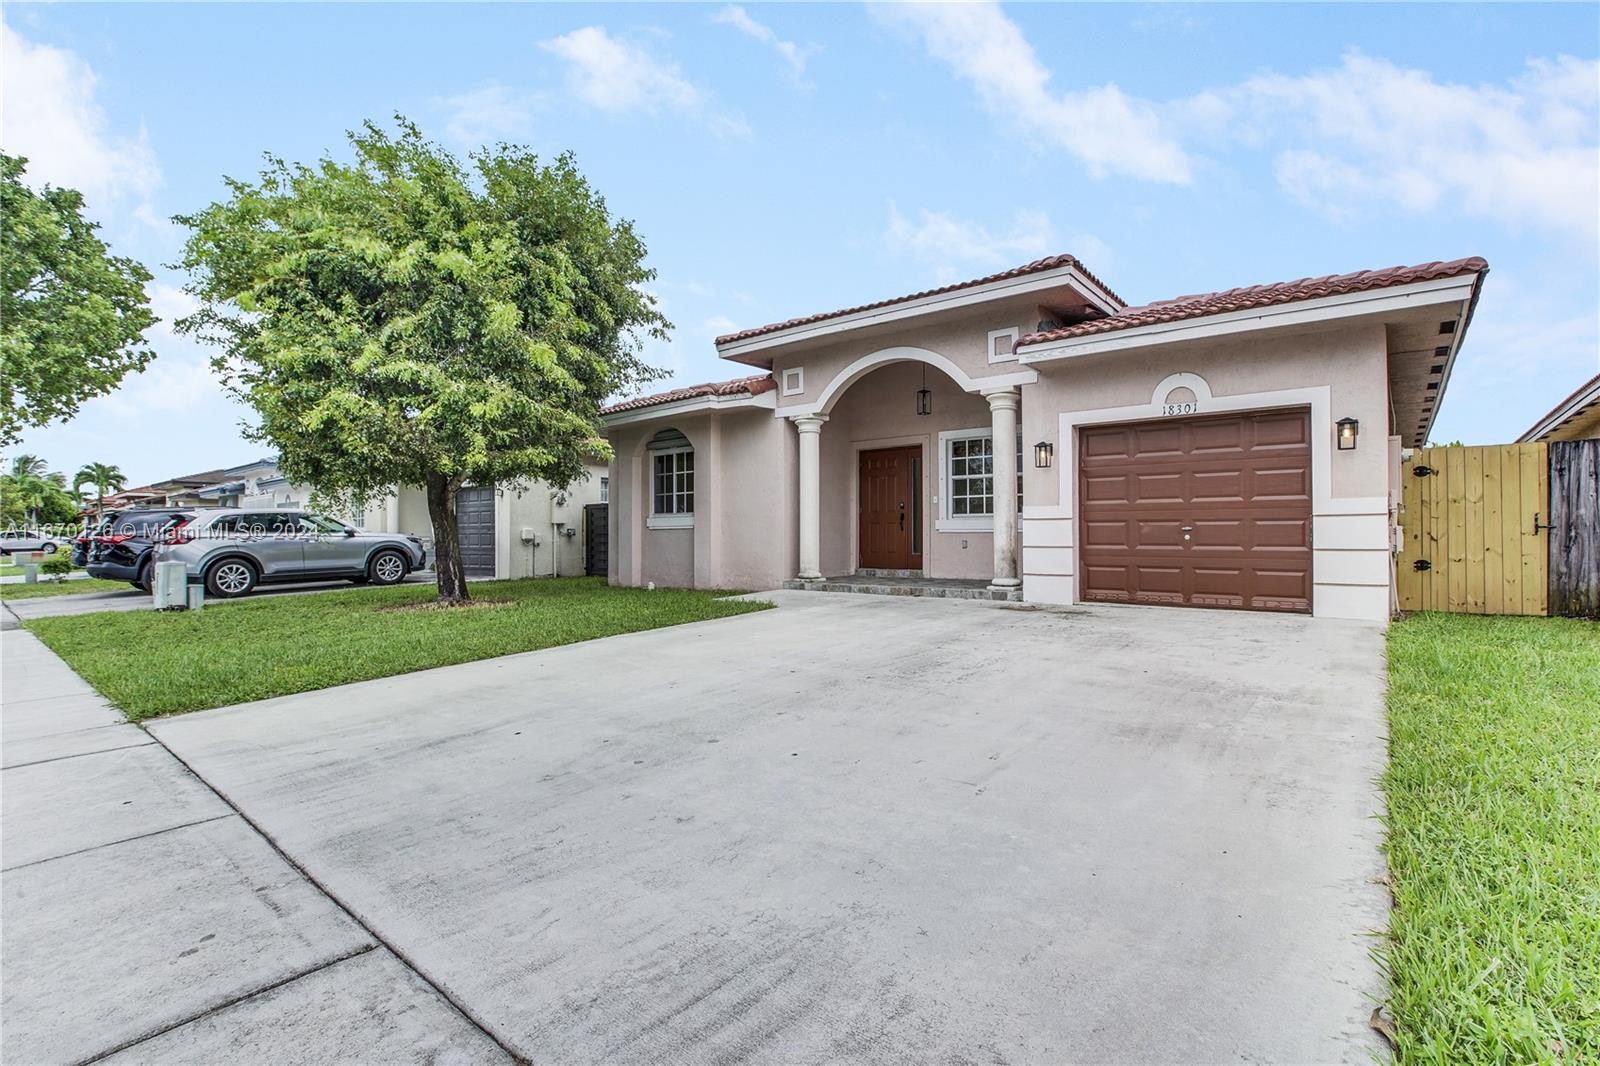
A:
<point x="1235" y="449"/>
<point x="521" y="530"/>
<point x="1575" y="418"/>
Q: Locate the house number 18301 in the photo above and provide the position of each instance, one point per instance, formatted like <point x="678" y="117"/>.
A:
<point x="1190" y="408"/>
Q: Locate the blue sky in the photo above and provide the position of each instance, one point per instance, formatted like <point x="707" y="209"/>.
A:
<point x="781" y="160"/>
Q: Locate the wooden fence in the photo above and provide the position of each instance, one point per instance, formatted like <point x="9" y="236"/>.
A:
<point x="1474" y="530"/>
<point x="1575" y="528"/>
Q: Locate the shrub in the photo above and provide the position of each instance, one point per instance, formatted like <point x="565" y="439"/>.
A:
<point x="57" y="566"/>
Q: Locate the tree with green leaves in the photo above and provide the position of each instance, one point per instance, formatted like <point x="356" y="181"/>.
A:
<point x="105" y="479"/>
<point x="32" y="494"/>
<point x="404" y="319"/>
<point x="72" y="315"/>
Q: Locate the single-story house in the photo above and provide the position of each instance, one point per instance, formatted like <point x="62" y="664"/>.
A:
<point x="1575" y="418"/>
<point x="1233" y="449"/>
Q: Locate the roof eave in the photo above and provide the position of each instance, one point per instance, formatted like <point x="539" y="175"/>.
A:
<point x="767" y="400"/>
<point x="1587" y="393"/>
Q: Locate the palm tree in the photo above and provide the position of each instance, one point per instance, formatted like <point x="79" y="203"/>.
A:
<point x="29" y="466"/>
<point x="105" y="479"/>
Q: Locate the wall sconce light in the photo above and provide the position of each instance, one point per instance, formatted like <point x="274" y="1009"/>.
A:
<point x="1348" y="429"/>
<point x="1042" y="453"/>
<point x="924" y="397"/>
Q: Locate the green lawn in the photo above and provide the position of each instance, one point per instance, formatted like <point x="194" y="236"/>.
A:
<point x="1494" y="839"/>
<point x="150" y="663"/>
<point x="76" y="586"/>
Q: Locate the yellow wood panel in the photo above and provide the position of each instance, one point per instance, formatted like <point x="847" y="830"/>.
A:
<point x="1494" y="548"/>
<point x="1472" y="492"/>
<point x="1535" y="500"/>
<point x="1438" y="545"/>
<point x="1511" y="530"/>
<point x="1455" y="462"/>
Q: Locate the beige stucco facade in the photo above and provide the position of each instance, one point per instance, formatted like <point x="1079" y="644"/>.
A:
<point x="776" y="472"/>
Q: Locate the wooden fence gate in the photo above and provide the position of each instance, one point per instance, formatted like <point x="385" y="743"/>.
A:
<point x="1575" y="528"/>
<point x="1474" y="530"/>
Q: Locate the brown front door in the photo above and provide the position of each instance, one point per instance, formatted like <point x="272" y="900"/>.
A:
<point x="891" y="509"/>
<point x="1198" y="512"/>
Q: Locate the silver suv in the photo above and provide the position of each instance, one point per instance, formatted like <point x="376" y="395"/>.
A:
<point x="234" y="550"/>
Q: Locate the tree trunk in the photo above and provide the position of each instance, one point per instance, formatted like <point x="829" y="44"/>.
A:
<point x="450" y="571"/>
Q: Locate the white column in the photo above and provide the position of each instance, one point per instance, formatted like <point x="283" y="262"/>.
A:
<point x="810" y="427"/>
<point x="1003" y="420"/>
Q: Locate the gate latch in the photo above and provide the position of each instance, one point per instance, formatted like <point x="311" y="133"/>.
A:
<point x="1537" y="526"/>
<point x="1421" y="471"/>
<point x="1422" y="564"/>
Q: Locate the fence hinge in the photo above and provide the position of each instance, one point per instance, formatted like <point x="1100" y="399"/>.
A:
<point x="1422" y="564"/>
<point x="1422" y="471"/>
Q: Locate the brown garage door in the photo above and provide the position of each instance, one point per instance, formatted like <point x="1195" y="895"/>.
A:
<point x="1199" y="512"/>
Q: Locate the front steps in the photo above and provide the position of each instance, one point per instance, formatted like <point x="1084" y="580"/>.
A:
<point x="908" y="583"/>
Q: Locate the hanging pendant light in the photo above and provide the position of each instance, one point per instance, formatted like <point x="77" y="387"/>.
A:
<point x="924" y="397"/>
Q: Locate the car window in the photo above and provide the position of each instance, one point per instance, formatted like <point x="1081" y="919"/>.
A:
<point x="259" y="524"/>
<point x="143" y="525"/>
<point x="322" y="524"/>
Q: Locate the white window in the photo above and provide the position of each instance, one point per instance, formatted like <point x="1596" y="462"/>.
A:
<point x="671" y="481"/>
<point x="794" y="381"/>
<point x="966" y="477"/>
<point x="605" y="490"/>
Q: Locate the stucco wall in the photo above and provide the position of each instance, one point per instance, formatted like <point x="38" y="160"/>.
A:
<point x="961" y="337"/>
<point x="1341" y="371"/>
<point x="744" y="529"/>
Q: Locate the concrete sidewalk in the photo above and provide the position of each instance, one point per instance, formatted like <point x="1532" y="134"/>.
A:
<point x="142" y="918"/>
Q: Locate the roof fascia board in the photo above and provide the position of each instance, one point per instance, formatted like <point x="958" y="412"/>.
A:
<point x="994" y="290"/>
<point x="692" y="405"/>
<point x="1299" y="312"/>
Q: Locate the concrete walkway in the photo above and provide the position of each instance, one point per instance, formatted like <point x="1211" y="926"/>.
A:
<point x="143" y="919"/>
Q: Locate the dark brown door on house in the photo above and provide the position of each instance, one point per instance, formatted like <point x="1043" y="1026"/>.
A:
<point x="891" y="509"/>
<point x="1198" y="512"/>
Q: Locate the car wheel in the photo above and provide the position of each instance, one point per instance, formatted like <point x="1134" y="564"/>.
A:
<point x="49" y="549"/>
<point x="142" y="582"/>
<point x="387" y="568"/>
<point x="230" y="577"/>
<point x="137" y="587"/>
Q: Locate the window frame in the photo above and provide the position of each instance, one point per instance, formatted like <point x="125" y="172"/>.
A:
<point x="670" y="519"/>
<point x="948" y="522"/>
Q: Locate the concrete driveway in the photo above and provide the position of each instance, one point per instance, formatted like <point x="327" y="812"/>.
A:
<point x="859" y="828"/>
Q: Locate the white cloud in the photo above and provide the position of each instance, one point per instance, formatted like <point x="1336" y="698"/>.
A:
<point x="1369" y="134"/>
<point x="488" y="113"/>
<point x="795" y="55"/>
<point x="51" y="116"/>
<point x="1351" y="142"/>
<point x="180" y="379"/>
<point x="956" y="247"/>
<point x="618" y="77"/>
<point x="1110" y="131"/>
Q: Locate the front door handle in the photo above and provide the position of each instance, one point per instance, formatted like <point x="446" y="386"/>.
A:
<point x="902" y="517"/>
<point x="1186" y="531"/>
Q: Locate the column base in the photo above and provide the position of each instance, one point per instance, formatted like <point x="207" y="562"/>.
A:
<point x="802" y="576"/>
<point x="1003" y="584"/>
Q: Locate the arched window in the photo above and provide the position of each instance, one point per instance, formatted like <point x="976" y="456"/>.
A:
<point x="671" y="480"/>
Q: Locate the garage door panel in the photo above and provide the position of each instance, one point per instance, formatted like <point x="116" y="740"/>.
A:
<point x="1279" y="483"/>
<point x="1209" y="438"/>
<point x="1158" y="488"/>
<point x="1110" y="488"/>
<point x="1241" y="484"/>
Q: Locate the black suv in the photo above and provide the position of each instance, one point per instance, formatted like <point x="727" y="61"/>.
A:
<point x="121" y="548"/>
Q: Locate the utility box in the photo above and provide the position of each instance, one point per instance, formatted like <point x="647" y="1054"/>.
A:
<point x="170" y="587"/>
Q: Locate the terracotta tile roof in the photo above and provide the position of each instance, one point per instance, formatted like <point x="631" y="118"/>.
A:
<point x="751" y="386"/>
<point x="1038" y="266"/>
<point x="1215" y="303"/>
